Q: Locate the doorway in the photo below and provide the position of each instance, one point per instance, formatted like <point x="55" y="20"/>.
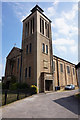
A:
<point x="48" y="85"/>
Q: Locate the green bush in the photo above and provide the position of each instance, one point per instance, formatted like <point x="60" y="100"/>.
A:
<point x="13" y="86"/>
<point x="4" y="86"/>
<point x="22" y="86"/>
<point x="33" y="89"/>
<point x="13" y="79"/>
<point x="16" y="86"/>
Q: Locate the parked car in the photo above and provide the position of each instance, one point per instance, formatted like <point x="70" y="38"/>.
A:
<point x="70" y="87"/>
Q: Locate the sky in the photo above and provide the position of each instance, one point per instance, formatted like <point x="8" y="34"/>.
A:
<point x="64" y="17"/>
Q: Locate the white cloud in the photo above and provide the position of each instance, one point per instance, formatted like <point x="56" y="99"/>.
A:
<point x="55" y="35"/>
<point x="66" y="45"/>
<point x="71" y="14"/>
<point x="61" y="49"/>
<point x="64" y="27"/>
<point x="61" y="25"/>
<point x="56" y="2"/>
<point x="65" y="30"/>
<point x="74" y="49"/>
<point x="50" y="11"/>
<point x="20" y="10"/>
<point x="65" y="24"/>
<point x="63" y="41"/>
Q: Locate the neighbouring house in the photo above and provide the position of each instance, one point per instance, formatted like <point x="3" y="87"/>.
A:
<point x="35" y="63"/>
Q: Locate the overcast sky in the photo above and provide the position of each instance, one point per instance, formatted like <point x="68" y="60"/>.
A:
<point x="64" y="17"/>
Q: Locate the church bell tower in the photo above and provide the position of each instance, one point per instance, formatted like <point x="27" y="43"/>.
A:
<point x="37" y="50"/>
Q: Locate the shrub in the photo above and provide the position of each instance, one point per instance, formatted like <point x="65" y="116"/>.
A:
<point x="22" y="86"/>
<point x="16" y="86"/>
<point x="13" y="79"/>
<point x="33" y="89"/>
<point x="13" y="86"/>
<point x="4" y="86"/>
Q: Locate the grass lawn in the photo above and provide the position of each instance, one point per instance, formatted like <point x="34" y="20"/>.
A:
<point x="11" y="97"/>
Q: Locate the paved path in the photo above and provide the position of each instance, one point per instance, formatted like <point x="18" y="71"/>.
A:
<point x="50" y="105"/>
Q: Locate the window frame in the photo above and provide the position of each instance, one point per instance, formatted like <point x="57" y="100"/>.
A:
<point x="73" y="71"/>
<point x="68" y="70"/>
<point x="27" y="49"/>
<point x="26" y="29"/>
<point x="46" y="49"/>
<point x="30" y="72"/>
<point x="53" y="66"/>
<point x="61" y="67"/>
<point x="25" y="72"/>
<point x="18" y="64"/>
<point x="30" y="48"/>
<point x="41" y="25"/>
<point x="43" y="48"/>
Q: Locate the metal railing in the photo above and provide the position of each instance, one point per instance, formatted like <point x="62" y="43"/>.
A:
<point x="9" y="96"/>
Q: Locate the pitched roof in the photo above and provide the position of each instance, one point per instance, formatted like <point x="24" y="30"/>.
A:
<point x="37" y="8"/>
<point x="63" y="59"/>
<point x="17" y="51"/>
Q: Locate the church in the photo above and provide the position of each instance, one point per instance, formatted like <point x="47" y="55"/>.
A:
<point x="35" y="63"/>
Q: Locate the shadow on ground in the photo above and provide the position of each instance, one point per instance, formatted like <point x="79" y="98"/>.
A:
<point x="71" y="103"/>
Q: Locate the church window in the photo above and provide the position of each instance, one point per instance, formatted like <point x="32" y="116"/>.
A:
<point x="61" y="67"/>
<point x="43" y="48"/>
<point x="26" y="72"/>
<point x="42" y="26"/>
<point x="47" y="29"/>
<point x="29" y="72"/>
<point x="53" y="66"/>
<point x="18" y="64"/>
<point x="68" y="69"/>
<point x="27" y="49"/>
<point x="26" y="31"/>
<point x="73" y="71"/>
<point x="30" y="49"/>
<point x="28" y="28"/>
<point x="46" y="49"/>
<point x="32" y="26"/>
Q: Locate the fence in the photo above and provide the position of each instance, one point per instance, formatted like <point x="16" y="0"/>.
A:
<point x="9" y="96"/>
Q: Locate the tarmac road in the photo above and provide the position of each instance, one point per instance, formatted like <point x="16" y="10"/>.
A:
<point x="49" y="105"/>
